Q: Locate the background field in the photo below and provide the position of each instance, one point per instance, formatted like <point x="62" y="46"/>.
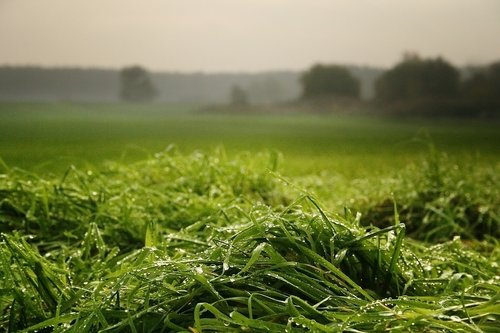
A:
<point x="48" y="137"/>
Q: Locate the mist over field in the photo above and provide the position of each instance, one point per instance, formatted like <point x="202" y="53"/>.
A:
<point x="102" y="85"/>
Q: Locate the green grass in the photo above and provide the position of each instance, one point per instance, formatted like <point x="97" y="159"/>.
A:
<point x="323" y="224"/>
<point x="206" y="243"/>
<point x="54" y="136"/>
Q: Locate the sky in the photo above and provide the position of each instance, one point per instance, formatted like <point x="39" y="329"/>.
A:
<point x="245" y="35"/>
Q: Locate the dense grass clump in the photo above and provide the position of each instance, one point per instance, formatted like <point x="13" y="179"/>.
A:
<point x="204" y="243"/>
<point x="439" y="199"/>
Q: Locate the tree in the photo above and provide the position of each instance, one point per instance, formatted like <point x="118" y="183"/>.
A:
<point x="481" y="91"/>
<point x="484" y="84"/>
<point x="329" y="81"/>
<point x="136" y="85"/>
<point x="416" y="78"/>
<point x="238" y="97"/>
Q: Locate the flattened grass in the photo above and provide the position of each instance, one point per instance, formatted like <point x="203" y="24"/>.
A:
<point x="205" y="243"/>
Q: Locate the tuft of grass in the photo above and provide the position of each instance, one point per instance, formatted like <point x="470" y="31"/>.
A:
<point x="203" y="243"/>
<point x="439" y="199"/>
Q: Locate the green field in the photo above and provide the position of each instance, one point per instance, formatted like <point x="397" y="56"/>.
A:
<point x="54" y="136"/>
<point x="253" y="223"/>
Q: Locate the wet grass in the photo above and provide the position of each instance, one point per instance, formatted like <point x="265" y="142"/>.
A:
<point x="208" y="242"/>
<point x="325" y="224"/>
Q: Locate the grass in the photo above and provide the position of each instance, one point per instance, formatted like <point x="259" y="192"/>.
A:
<point x="205" y="243"/>
<point x="357" y="228"/>
<point x="52" y="137"/>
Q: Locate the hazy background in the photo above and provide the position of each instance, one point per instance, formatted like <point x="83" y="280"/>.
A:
<point x="245" y="35"/>
<point x="329" y="83"/>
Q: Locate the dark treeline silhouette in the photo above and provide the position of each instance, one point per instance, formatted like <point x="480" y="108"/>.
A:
<point x="434" y="87"/>
<point x="324" y="81"/>
<point x="483" y="86"/>
<point x="136" y="85"/>
<point x="416" y="78"/>
<point x="413" y="87"/>
<point x="103" y="85"/>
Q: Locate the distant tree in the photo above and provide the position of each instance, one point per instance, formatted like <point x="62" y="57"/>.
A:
<point x="329" y="81"/>
<point x="238" y="97"/>
<point x="481" y="91"/>
<point x="484" y="84"/>
<point x="477" y="87"/>
<point x="494" y="73"/>
<point x="416" y="78"/>
<point x="136" y="85"/>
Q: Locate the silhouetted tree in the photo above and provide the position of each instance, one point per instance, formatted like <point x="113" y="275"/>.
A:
<point x="494" y="73"/>
<point x="484" y="84"/>
<point x="329" y="81"/>
<point x="416" y="78"/>
<point x="481" y="91"/>
<point x="477" y="87"/>
<point x="238" y="97"/>
<point x="136" y="85"/>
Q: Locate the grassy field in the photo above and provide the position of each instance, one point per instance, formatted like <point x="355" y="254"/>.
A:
<point x="53" y="136"/>
<point x="361" y="225"/>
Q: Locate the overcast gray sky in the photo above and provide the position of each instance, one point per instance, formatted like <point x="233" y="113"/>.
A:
<point x="249" y="35"/>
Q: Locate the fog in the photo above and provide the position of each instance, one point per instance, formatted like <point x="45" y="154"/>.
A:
<point x="245" y="35"/>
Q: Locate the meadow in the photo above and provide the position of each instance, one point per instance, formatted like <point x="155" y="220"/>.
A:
<point x="136" y="218"/>
<point x="53" y="136"/>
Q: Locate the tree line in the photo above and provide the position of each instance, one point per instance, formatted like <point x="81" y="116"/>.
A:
<point x="35" y="83"/>
<point x="415" y="85"/>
